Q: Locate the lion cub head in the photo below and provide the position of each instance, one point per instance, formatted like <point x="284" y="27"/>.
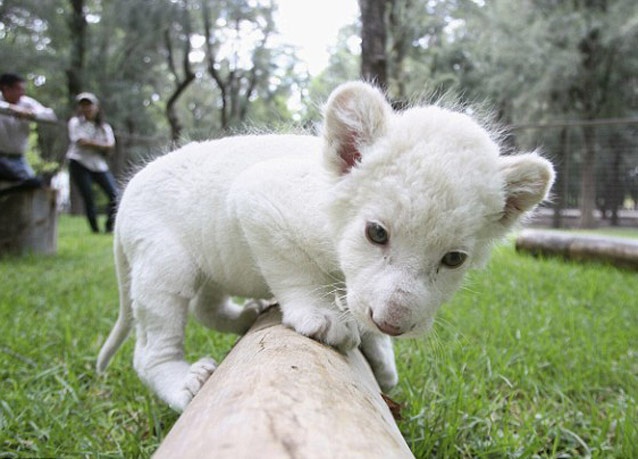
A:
<point x="418" y="197"/>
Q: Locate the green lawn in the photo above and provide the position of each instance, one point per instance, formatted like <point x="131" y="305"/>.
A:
<point x="533" y="358"/>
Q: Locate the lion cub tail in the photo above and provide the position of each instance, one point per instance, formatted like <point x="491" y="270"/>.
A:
<point x="124" y="322"/>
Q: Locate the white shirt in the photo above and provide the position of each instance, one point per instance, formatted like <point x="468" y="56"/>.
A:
<point x="14" y="131"/>
<point x="81" y="128"/>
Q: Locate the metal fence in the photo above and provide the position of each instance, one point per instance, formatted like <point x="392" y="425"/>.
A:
<point x="612" y="142"/>
<point x="609" y="147"/>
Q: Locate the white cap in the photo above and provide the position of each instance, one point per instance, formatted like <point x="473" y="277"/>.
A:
<point x="87" y="96"/>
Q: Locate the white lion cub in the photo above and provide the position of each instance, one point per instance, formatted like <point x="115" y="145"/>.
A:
<point x="360" y="234"/>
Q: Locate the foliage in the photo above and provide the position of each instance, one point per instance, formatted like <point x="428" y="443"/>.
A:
<point x="430" y="48"/>
<point x="26" y="44"/>
<point x="341" y="67"/>
<point x="533" y="60"/>
<point x="534" y="357"/>
<point x="125" y="57"/>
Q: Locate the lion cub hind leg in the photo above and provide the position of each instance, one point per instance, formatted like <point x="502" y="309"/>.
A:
<point x="159" y="349"/>
<point x="219" y="312"/>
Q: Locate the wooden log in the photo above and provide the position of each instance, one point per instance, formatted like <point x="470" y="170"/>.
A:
<point x="620" y="252"/>
<point x="279" y="394"/>
<point x="29" y="221"/>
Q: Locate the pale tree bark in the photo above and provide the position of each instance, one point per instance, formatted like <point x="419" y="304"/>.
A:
<point x="279" y="394"/>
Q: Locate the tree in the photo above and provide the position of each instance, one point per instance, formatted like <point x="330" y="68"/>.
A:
<point x="27" y="30"/>
<point x="429" y="46"/>
<point x="182" y="28"/>
<point x="374" y="60"/>
<point x="77" y="29"/>
<point x="237" y="70"/>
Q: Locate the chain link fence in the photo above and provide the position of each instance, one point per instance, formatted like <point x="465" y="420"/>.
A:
<point x="597" y="158"/>
<point x="596" y="161"/>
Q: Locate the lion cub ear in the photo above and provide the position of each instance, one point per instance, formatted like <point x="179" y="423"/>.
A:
<point x="528" y="179"/>
<point x="355" y="116"/>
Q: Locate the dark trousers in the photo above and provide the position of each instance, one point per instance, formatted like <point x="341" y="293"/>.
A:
<point x="15" y="170"/>
<point x="84" y="179"/>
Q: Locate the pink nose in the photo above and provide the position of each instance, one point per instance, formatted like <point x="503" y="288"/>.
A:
<point x="389" y="329"/>
<point x="386" y="327"/>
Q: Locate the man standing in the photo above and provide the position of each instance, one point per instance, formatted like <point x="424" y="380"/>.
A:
<point x="17" y="111"/>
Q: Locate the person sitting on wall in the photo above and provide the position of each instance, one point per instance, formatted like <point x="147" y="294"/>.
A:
<point x="16" y="111"/>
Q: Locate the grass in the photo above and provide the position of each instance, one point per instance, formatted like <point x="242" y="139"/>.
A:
<point x="534" y="358"/>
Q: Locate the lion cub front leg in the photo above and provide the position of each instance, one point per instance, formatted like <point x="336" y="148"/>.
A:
<point x="379" y="353"/>
<point x="159" y="349"/>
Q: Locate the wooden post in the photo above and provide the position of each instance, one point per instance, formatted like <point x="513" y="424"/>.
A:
<point x="29" y="221"/>
<point x="619" y="252"/>
<point x="279" y="394"/>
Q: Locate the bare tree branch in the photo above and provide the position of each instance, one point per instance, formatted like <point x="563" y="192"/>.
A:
<point x="210" y="60"/>
<point x="180" y="83"/>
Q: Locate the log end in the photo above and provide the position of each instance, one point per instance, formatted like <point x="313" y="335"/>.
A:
<point x="615" y="251"/>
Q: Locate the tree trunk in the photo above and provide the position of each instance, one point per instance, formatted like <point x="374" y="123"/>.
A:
<point x="77" y="29"/>
<point x="400" y="43"/>
<point x="616" y="191"/>
<point x="29" y="222"/>
<point x="75" y="77"/>
<point x="279" y="394"/>
<point x="374" y="60"/>
<point x="181" y="83"/>
<point x="588" y="179"/>
<point x="561" y="178"/>
<point x="210" y="64"/>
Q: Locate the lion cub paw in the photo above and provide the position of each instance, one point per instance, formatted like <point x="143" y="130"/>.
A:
<point x="328" y="328"/>
<point x="197" y="375"/>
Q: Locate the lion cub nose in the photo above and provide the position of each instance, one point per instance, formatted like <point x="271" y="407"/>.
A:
<point x="385" y="326"/>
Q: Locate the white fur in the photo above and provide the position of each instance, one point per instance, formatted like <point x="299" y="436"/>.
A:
<point x="286" y="216"/>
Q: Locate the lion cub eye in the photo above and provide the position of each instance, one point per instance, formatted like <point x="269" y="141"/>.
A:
<point x="376" y="233"/>
<point x="453" y="259"/>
